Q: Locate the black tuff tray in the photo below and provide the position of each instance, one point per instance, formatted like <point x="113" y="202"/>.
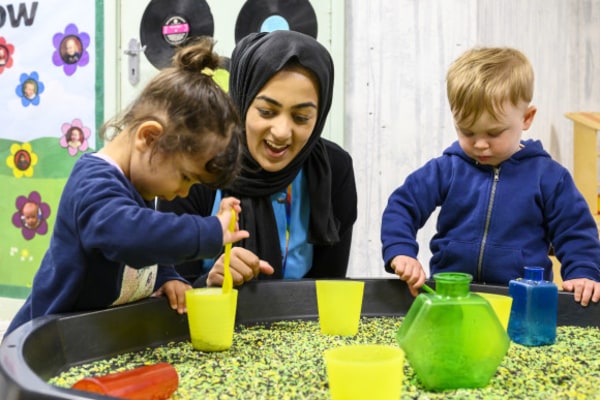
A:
<point x="42" y="348"/>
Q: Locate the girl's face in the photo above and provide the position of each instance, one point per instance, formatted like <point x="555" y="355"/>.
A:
<point x="166" y="176"/>
<point x="281" y="118"/>
<point x="490" y="141"/>
<point x="76" y="135"/>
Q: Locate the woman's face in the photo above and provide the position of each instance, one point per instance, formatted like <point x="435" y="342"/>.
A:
<point x="281" y="118"/>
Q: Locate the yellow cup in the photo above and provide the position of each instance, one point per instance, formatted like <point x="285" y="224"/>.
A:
<point x="339" y="303"/>
<point x="211" y="318"/>
<point x="501" y="305"/>
<point x="365" y="371"/>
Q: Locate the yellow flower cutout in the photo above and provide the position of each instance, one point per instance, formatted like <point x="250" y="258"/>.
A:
<point x="21" y="160"/>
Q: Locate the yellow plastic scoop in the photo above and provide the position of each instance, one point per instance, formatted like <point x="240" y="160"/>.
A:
<point x="227" y="280"/>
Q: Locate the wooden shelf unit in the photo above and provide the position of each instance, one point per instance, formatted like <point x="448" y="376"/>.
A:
<point x="585" y="156"/>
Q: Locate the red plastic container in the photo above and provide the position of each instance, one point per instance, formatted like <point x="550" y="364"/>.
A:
<point x="149" y="382"/>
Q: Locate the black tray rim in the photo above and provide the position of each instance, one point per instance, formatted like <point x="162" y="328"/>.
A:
<point x="43" y="347"/>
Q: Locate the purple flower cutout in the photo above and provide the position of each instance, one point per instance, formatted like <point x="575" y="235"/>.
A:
<point x="31" y="216"/>
<point x="75" y="137"/>
<point x="29" y="89"/>
<point x="71" y="49"/>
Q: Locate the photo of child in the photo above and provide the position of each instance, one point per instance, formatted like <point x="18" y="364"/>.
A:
<point x="74" y="137"/>
<point x="30" y="89"/>
<point x="31" y="215"/>
<point x="70" y="49"/>
<point x="3" y="55"/>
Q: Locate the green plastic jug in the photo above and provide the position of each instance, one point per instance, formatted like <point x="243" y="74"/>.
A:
<point x="453" y="338"/>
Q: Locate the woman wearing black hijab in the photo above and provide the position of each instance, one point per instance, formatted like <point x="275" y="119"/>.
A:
<point x="297" y="189"/>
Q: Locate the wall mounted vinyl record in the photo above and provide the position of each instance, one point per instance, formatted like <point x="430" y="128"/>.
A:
<point x="168" y="24"/>
<point x="271" y="15"/>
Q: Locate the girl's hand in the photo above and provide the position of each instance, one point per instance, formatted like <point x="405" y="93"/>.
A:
<point x="175" y="292"/>
<point x="224" y="215"/>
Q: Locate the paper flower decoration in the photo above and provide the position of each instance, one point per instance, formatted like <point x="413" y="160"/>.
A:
<point x="31" y="215"/>
<point x="71" y="49"/>
<point x="75" y="137"/>
<point x="6" y="52"/>
<point x="22" y="160"/>
<point x="29" y="89"/>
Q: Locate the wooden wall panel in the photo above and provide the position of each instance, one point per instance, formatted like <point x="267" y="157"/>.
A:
<point x="397" y="117"/>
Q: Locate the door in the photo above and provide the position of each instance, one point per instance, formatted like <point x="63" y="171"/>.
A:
<point x="132" y="71"/>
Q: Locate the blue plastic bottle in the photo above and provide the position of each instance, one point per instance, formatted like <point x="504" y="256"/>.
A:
<point x="534" y="309"/>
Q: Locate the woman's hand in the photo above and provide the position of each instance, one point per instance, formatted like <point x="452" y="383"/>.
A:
<point x="244" y="266"/>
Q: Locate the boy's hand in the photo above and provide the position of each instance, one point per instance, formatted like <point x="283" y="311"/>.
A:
<point x="409" y="270"/>
<point x="224" y="215"/>
<point x="175" y="292"/>
<point x="244" y="266"/>
<point x="583" y="289"/>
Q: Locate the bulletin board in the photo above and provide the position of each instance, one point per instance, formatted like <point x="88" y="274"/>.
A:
<point x="51" y="94"/>
<point x="55" y="85"/>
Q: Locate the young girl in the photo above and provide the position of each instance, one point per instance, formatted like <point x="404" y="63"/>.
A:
<point x="107" y="242"/>
<point x="75" y="137"/>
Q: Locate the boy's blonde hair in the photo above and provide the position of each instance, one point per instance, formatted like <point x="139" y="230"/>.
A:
<point x="483" y="79"/>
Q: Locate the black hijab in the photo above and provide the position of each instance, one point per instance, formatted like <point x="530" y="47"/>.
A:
<point x="254" y="61"/>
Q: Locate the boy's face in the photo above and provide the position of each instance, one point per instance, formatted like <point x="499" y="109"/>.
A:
<point x="30" y="211"/>
<point x="490" y="141"/>
<point x="29" y="90"/>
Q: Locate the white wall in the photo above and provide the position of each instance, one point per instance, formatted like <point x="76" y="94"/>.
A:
<point x="396" y="56"/>
<point x="397" y="117"/>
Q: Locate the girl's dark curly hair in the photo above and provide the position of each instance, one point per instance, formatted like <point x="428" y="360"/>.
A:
<point x="196" y="114"/>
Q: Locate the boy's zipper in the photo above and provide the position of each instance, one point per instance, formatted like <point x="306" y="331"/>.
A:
<point x="488" y="217"/>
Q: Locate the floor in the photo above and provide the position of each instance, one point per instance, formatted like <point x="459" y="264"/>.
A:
<point x="8" y="308"/>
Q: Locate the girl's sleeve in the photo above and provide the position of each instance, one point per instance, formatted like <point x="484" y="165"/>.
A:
<point x="167" y="273"/>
